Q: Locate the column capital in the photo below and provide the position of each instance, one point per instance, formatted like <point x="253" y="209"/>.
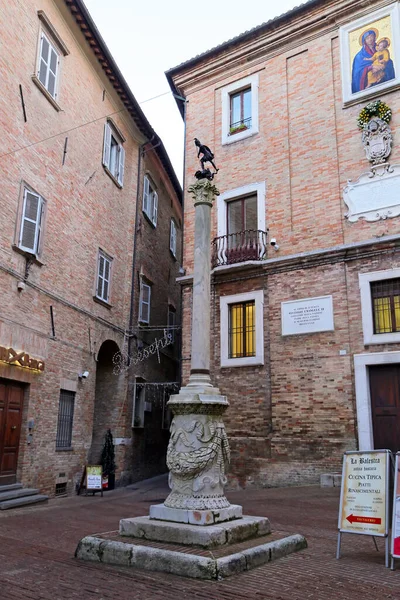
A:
<point x="203" y="192"/>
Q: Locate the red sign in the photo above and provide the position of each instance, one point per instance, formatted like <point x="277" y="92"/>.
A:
<point x="355" y="519"/>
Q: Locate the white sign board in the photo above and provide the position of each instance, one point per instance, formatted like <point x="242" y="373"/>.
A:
<point x="364" y="493"/>
<point x="94" y="477"/>
<point x="395" y="549"/>
<point x="308" y="315"/>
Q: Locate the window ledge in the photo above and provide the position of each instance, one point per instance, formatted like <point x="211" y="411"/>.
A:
<point x="103" y="302"/>
<point x="69" y="449"/>
<point x="148" y="219"/>
<point x="49" y="97"/>
<point x="35" y="259"/>
<point x="250" y="361"/>
<point x="239" y="135"/>
<point x="172" y="254"/>
<point x="115" y="180"/>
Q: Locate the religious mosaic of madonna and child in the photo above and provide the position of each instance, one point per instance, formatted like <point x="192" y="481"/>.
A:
<point x="370" y="53"/>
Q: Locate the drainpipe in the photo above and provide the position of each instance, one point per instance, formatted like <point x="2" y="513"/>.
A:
<point x="133" y="280"/>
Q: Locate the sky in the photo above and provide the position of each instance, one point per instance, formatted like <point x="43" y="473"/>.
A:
<point x="146" y="38"/>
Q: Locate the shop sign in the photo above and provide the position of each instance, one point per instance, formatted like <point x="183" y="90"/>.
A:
<point x="364" y="495"/>
<point x="20" y="359"/>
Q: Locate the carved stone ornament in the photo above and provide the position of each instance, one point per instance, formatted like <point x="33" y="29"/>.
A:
<point x="198" y="452"/>
<point x="377" y="140"/>
<point x="374" y="195"/>
<point x="203" y="192"/>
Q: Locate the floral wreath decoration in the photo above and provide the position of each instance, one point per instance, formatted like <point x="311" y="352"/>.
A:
<point x="377" y="108"/>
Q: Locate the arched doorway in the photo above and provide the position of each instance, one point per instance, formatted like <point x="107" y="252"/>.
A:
<point x="109" y="403"/>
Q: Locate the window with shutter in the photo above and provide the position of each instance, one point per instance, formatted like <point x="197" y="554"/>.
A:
<point x="103" y="277"/>
<point x="113" y="153"/>
<point x="30" y="223"/>
<point x="48" y="67"/>
<point x="172" y="238"/>
<point x="144" y="302"/>
<point x="150" y="200"/>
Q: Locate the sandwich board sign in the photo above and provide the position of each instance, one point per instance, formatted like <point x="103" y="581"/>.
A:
<point x="364" y="496"/>
<point x="395" y="545"/>
<point x="94" y="479"/>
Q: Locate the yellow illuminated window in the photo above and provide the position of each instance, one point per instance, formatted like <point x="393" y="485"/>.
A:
<point x="386" y="305"/>
<point x="242" y="335"/>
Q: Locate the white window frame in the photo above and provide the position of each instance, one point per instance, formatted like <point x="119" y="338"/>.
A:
<point x="172" y="237"/>
<point x="150" y="200"/>
<point x="38" y="222"/>
<point x="109" y="260"/>
<point x="365" y="280"/>
<point x="144" y="318"/>
<point x="248" y="82"/>
<point x="116" y="170"/>
<point x="225" y="301"/>
<point x="52" y="47"/>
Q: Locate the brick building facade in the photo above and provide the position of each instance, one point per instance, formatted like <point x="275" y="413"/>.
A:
<point x="279" y="106"/>
<point x="81" y="230"/>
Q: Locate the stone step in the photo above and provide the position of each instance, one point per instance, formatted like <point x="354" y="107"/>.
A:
<point x="25" y="501"/>
<point x="11" y="486"/>
<point x="18" y="493"/>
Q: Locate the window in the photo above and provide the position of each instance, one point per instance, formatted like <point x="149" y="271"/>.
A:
<point x="385" y="296"/>
<point x="103" y="277"/>
<point x="240" y="109"/>
<point x="144" y="302"/>
<point x="241" y="225"/>
<point x="32" y="216"/>
<point x="150" y="200"/>
<point x="171" y="321"/>
<point x="241" y="329"/>
<point x="113" y="153"/>
<point x="172" y="238"/>
<point x="49" y="62"/>
<point x="65" y="419"/>
<point x="242" y="336"/>
<point x="380" y="306"/>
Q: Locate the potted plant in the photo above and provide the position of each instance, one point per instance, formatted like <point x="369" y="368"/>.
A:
<point x="107" y="459"/>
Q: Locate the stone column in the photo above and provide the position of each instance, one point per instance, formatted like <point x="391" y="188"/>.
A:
<point x="198" y="449"/>
<point x="204" y="193"/>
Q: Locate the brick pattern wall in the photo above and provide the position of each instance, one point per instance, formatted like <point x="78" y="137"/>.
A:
<point x="291" y="419"/>
<point x="85" y="210"/>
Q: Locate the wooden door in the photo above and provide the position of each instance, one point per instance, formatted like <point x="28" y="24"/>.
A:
<point x="11" y="401"/>
<point x="385" y="405"/>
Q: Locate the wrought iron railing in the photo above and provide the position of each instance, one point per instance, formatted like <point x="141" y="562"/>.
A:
<point x="240" y="126"/>
<point x="250" y="244"/>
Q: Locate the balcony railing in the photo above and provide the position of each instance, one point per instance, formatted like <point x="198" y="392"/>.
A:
<point x="234" y="248"/>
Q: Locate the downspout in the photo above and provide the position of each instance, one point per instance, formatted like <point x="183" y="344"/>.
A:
<point x="132" y="307"/>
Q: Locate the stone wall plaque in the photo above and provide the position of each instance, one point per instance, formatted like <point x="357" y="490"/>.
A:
<point x="375" y="195"/>
<point x="308" y="315"/>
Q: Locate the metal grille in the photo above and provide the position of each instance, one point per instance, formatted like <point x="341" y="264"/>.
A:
<point x="386" y="305"/>
<point x="61" y="489"/>
<point x="65" y="419"/>
<point x="242" y="330"/>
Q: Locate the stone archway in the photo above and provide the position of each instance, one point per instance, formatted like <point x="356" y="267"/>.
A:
<point x="109" y="400"/>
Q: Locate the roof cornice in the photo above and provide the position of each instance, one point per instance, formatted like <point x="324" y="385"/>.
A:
<point x="288" y="31"/>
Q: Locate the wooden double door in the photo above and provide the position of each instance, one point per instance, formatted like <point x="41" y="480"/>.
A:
<point x="11" y="403"/>
<point x="385" y="405"/>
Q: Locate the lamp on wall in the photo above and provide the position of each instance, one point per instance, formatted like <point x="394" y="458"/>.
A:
<point x="83" y="375"/>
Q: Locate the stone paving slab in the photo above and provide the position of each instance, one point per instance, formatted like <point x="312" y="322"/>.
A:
<point x="37" y="546"/>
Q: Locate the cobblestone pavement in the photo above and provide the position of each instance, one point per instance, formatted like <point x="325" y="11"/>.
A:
<point x="37" y="552"/>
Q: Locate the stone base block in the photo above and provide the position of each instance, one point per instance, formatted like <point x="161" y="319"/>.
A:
<point x="331" y="480"/>
<point x="161" y="512"/>
<point x="107" y="551"/>
<point x="212" y="536"/>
